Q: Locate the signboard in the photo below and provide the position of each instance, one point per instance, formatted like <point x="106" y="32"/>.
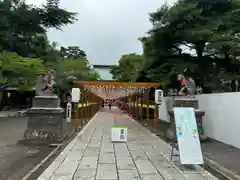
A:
<point x="76" y="93"/>
<point x="187" y="135"/>
<point x="158" y="96"/>
<point x="119" y="134"/>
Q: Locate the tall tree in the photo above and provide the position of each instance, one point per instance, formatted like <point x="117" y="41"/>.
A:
<point x="128" y="67"/>
<point x="52" y="55"/>
<point x="80" y="70"/>
<point x="73" y="52"/>
<point x="18" y="71"/>
<point x="21" y="24"/>
<point x="207" y="29"/>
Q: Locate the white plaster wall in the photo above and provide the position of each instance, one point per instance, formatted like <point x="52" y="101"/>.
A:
<point x="104" y="73"/>
<point x="222" y="119"/>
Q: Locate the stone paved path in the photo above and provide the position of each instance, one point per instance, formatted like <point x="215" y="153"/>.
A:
<point x="92" y="156"/>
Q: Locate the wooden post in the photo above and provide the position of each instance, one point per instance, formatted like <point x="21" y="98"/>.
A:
<point x="129" y="104"/>
<point x="156" y="118"/>
<point x="137" y="108"/>
<point x="147" y="103"/>
<point x="90" y="105"/>
<point x="81" y="108"/>
<point x="87" y="109"/>
<point x="141" y="102"/>
<point x="132" y="105"/>
<point x="156" y="113"/>
<point x="76" y="119"/>
<point x="84" y="107"/>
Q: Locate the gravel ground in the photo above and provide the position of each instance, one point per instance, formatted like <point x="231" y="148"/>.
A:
<point x="17" y="160"/>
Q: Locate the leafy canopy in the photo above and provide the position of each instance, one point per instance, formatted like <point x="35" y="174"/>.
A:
<point x="127" y="67"/>
<point x="18" y="71"/>
<point x="25" y="50"/>
<point x="81" y="70"/>
<point x="23" y="26"/>
<point x="196" y="34"/>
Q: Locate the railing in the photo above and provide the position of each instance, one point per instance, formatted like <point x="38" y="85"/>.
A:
<point x="88" y="106"/>
<point x="142" y="110"/>
<point x="139" y="103"/>
<point x="87" y="111"/>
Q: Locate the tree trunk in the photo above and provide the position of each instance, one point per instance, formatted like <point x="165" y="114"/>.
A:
<point x="206" y="90"/>
<point x="233" y="86"/>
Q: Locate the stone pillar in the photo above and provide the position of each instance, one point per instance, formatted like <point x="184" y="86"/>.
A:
<point x="46" y="122"/>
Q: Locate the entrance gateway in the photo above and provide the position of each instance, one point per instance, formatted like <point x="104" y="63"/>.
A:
<point x="134" y="98"/>
<point x="131" y="94"/>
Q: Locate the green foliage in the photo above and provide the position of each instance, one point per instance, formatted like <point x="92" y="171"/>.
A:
<point x="19" y="72"/>
<point x="81" y="70"/>
<point x="52" y="55"/>
<point x="128" y="67"/>
<point x="209" y="30"/>
<point x="73" y="52"/>
<point x="23" y="30"/>
<point x="23" y="27"/>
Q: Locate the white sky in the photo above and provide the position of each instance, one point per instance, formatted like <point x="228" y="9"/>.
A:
<point x="105" y="29"/>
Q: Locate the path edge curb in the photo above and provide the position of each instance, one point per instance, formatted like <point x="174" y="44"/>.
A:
<point x="216" y="167"/>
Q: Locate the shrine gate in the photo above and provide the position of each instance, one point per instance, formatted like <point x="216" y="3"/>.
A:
<point x="138" y="100"/>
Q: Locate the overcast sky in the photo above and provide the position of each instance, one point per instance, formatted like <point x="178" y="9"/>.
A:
<point x="105" y="29"/>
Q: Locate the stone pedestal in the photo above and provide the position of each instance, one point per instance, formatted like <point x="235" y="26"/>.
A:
<point x="46" y="122"/>
<point x="186" y="102"/>
<point x="198" y="114"/>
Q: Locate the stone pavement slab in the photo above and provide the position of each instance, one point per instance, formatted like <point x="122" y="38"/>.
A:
<point x="92" y="156"/>
<point x="106" y="158"/>
<point x="107" y="171"/>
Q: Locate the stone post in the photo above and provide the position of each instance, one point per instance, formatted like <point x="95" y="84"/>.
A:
<point x="46" y="122"/>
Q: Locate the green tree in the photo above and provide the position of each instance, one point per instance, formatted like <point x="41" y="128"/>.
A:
<point x="23" y="26"/>
<point x="25" y="50"/>
<point x="73" y="52"/>
<point x="18" y="71"/>
<point x="208" y="29"/>
<point x="128" y="67"/>
<point x="52" y="55"/>
<point x="81" y="70"/>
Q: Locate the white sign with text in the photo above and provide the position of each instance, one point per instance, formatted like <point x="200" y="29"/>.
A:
<point x="187" y="136"/>
<point x="119" y="134"/>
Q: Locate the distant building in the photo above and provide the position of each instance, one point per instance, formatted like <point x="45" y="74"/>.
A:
<point x="104" y="71"/>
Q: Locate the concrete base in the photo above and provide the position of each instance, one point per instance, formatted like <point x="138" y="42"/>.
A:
<point x="46" y="125"/>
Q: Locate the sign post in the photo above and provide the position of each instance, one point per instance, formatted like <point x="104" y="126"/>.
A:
<point x="76" y="93"/>
<point x="158" y="96"/>
<point x="187" y="136"/>
<point x="69" y="112"/>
